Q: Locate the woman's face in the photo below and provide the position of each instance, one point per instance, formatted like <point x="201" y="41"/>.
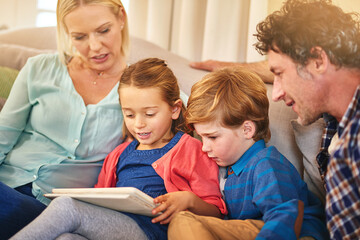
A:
<point x="96" y="34"/>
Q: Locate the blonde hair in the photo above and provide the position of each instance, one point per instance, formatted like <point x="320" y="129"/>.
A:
<point x="154" y="73"/>
<point x="64" y="7"/>
<point x="230" y="95"/>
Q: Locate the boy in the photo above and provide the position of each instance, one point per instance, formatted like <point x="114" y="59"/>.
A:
<point x="265" y="195"/>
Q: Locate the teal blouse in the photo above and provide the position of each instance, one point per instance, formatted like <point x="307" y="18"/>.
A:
<point x="48" y="136"/>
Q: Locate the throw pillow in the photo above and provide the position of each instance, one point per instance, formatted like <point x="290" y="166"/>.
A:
<point x="2" y="102"/>
<point x="308" y="139"/>
<point x="7" y="78"/>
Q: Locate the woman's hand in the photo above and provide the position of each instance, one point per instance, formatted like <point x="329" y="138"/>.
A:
<point x="172" y="203"/>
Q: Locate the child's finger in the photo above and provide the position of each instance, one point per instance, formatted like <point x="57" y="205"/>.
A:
<point x="160" y="199"/>
<point x="161" y="217"/>
<point x="160" y="208"/>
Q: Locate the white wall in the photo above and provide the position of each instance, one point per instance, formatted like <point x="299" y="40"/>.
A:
<point x="17" y="13"/>
<point x="220" y="43"/>
<point x="22" y="13"/>
<point x="346" y="5"/>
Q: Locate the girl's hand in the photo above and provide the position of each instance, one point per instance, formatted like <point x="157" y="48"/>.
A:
<point x="170" y="204"/>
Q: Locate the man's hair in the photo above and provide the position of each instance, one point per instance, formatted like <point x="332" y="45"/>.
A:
<point x="232" y="96"/>
<point x="301" y="25"/>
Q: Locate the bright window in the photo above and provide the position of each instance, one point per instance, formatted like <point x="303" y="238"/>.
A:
<point x="46" y="15"/>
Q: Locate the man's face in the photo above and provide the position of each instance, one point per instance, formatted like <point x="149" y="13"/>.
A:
<point x="296" y="86"/>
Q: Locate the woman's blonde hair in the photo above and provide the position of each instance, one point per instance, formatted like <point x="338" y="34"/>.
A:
<point x="154" y="73"/>
<point x="64" y="7"/>
<point x="232" y="96"/>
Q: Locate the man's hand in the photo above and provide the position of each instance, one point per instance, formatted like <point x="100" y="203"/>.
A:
<point x="260" y="68"/>
<point x="211" y="65"/>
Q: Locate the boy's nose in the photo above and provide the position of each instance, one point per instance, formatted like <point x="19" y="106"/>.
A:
<point x="205" y="147"/>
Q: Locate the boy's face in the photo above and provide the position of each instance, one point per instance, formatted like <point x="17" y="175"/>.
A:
<point x="223" y="145"/>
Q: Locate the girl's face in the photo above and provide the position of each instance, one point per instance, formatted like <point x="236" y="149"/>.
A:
<point x="147" y="116"/>
<point x="96" y="34"/>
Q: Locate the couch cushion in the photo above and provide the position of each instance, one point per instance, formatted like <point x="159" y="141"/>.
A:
<point x="15" y="56"/>
<point x="36" y="37"/>
<point x="282" y="134"/>
<point x="7" y="78"/>
<point x="308" y="138"/>
<point x="2" y="102"/>
<point x="186" y="75"/>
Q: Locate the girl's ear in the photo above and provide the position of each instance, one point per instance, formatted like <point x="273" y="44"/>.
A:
<point x="176" y="109"/>
<point x="249" y="129"/>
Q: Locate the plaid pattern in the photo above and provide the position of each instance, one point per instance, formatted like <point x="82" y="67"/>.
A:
<point x="343" y="177"/>
<point x="323" y="156"/>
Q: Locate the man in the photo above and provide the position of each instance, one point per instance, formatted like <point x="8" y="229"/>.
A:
<point x="313" y="51"/>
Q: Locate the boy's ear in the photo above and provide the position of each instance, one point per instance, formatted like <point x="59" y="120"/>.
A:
<point x="176" y="109"/>
<point x="249" y="129"/>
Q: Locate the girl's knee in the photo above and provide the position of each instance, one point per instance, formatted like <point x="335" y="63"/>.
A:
<point x="62" y="202"/>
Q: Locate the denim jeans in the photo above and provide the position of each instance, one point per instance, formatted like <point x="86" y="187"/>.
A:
<point x="18" y="207"/>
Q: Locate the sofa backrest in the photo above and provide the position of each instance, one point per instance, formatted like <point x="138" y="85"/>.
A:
<point x="299" y="144"/>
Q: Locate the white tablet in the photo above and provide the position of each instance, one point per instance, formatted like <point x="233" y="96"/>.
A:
<point x="124" y="199"/>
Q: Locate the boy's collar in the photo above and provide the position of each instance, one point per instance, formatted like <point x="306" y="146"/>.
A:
<point x="245" y="158"/>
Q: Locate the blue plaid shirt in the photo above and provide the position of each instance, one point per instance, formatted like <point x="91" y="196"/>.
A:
<point x="343" y="177"/>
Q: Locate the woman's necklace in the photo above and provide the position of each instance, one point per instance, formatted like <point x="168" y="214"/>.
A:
<point x="98" y="75"/>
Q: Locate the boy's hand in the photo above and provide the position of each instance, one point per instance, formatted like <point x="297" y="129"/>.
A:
<point x="170" y="204"/>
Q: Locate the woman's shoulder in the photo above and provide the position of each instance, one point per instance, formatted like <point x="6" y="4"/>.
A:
<point x="47" y="63"/>
<point x="45" y="56"/>
<point x="45" y="59"/>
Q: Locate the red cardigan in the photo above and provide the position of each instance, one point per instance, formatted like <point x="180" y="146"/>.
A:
<point x="184" y="168"/>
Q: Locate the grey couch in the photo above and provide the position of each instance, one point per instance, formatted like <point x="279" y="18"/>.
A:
<point x="298" y="143"/>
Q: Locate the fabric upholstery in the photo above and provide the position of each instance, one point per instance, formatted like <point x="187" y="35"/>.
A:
<point x="296" y="143"/>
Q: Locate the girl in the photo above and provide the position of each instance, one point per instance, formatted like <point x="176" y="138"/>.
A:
<point x="162" y="161"/>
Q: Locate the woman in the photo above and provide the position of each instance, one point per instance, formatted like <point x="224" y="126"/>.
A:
<point x="58" y="123"/>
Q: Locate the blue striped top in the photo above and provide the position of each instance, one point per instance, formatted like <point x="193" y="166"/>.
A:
<point x="264" y="185"/>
